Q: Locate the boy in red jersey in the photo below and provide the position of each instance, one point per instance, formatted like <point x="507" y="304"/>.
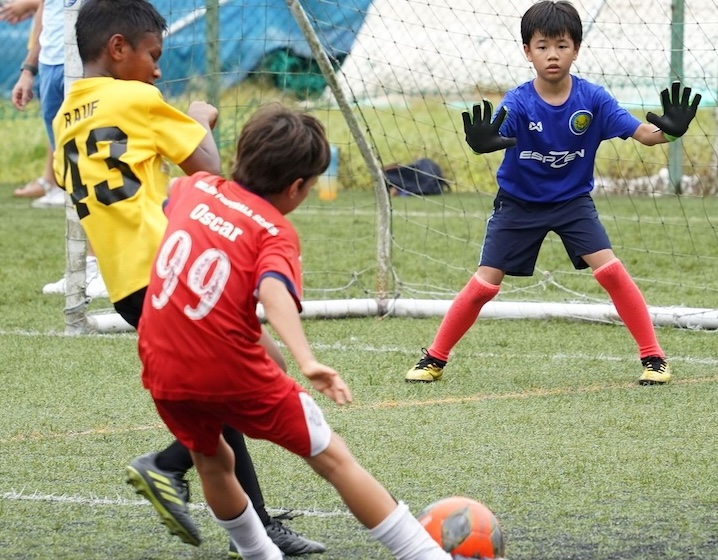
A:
<point x="113" y="131"/>
<point x="227" y="248"/>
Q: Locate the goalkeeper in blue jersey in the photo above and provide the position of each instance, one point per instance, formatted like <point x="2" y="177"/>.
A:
<point x="551" y="128"/>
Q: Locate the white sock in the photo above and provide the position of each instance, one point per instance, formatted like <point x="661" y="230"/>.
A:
<point x="250" y="536"/>
<point x="401" y="533"/>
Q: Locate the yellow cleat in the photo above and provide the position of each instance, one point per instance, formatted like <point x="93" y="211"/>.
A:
<point x="427" y="370"/>
<point x="656" y="371"/>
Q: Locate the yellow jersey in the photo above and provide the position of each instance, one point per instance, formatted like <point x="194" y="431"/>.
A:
<point x="111" y="137"/>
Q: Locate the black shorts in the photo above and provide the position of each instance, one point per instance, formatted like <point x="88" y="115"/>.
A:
<point x="130" y="307"/>
<point x="516" y="229"/>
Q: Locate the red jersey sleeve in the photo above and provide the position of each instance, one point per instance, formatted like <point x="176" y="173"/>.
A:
<point x="279" y="258"/>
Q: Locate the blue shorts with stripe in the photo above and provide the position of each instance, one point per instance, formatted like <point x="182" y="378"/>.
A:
<point x="516" y="229"/>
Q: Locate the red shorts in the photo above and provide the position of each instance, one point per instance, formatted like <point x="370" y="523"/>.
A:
<point x="293" y="421"/>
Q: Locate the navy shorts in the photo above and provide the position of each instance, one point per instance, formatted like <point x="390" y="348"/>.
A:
<point x="516" y="229"/>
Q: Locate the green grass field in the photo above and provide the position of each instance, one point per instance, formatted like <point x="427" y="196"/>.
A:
<point x="540" y="420"/>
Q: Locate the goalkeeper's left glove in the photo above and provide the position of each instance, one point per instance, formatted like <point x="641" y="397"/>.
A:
<point x="482" y="135"/>
<point x="677" y="112"/>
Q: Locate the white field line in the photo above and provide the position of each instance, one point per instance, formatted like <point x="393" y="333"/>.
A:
<point x="372" y="349"/>
<point x="453" y="212"/>
<point x="95" y="501"/>
<point x="91" y="501"/>
<point x="389" y="404"/>
<point x="62" y="334"/>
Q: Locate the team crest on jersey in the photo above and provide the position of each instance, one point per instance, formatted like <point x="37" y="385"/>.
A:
<point x="580" y="121"/>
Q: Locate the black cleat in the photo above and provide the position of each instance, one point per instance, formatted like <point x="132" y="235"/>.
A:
<point x="289" y="542"/>
<point x="168" y="493"/>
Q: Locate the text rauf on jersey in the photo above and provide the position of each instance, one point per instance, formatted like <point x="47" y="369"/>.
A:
<point x="78" y="113"/>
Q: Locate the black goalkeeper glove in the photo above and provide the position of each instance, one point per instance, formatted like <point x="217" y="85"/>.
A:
<point x="482" y="135"/>
<point x="677" y="113"/>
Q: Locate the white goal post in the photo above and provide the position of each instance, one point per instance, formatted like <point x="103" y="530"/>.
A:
<point x="412" y="68"/>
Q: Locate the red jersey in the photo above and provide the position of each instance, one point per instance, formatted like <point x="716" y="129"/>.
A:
<point x="199" y="332"/>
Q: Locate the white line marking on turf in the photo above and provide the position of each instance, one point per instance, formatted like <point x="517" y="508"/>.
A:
<point x="360" y="347"/>
<point x="91" y="501"/>
<point x="369" y="348"/>
<point x="479" y="214"/>
<point x="62" y="334"/>
<point x="38" y="436"/>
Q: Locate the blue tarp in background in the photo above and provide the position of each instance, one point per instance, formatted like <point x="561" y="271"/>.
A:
<point x="249" y="30"/>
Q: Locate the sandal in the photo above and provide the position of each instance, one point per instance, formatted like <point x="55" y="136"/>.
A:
<point x="34" y="189"/>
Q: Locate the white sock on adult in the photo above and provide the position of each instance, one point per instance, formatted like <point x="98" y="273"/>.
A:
<point x="401" y="533"/>
<point x="250" y="536"/>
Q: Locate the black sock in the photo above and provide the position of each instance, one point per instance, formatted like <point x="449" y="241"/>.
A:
<point x="175" y="458"/>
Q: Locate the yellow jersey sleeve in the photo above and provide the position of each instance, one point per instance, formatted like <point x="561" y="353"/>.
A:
<point x="112" y="136"/>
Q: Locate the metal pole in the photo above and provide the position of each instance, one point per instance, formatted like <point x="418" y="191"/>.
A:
<point x="380" y="191"/>
<point x="76" y="301"/>
<point x="675" y="149"/>
<point x="212" y="56"/>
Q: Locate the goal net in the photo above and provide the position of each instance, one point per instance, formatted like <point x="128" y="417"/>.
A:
<point x="390" y="78"/>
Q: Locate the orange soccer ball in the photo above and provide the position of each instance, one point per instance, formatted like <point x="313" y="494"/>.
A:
<point x="464" y="527"/>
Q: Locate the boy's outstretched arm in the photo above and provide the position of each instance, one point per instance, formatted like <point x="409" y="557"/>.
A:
<point x="273" y="350"/>
<point x="281" y="312"/>
<point x="482" y="135"/>
<point x="678" y="112"/>
<point x="206" y="155"/>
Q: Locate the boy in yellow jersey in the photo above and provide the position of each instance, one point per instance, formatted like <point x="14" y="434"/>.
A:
<point x="112" y="132"/>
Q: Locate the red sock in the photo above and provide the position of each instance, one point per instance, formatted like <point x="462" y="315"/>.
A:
<point x="461" y="315"/>
<point x="630" y="305"/>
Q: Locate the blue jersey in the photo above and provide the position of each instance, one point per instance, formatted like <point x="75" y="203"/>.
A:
<point x="556" y="146"/>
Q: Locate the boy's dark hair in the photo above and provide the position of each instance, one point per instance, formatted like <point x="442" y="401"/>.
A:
<point x="552" y="19"/>
<point x="276" y="147"/>
<point x="98" y="20"/>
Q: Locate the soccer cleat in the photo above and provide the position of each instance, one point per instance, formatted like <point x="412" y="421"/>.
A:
<point x="95" y="284"/>
<point x="55" y="287"/>
<point x="95" y="287"/>
<point x="427" y="370"/>
<point x="656" y="371"/>
<point x="53" y="198"/>
<point x="168" y="492"/>
<point x="288" y="541"/>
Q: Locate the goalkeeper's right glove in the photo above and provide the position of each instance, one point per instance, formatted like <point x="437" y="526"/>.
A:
<point x="482" y="135"/>
<point x="677" y="113"/>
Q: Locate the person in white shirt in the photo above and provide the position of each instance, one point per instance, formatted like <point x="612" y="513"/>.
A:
<point x="45" y="60"/>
